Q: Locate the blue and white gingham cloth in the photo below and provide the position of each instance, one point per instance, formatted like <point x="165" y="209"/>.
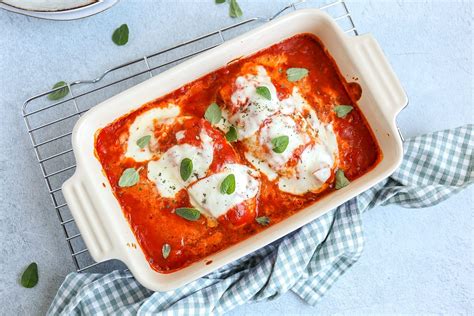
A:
<point x="306" y="262"/>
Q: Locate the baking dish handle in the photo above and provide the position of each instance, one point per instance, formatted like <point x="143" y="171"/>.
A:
<point x="381" y="79"/>
<point x="86" y="214"/>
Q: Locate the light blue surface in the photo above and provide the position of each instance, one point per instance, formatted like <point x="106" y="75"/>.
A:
<point x="415" y="261"/>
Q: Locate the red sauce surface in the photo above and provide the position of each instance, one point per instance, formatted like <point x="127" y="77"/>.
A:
<point x="152" y="217"/>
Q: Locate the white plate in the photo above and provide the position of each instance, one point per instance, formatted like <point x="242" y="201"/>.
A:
<point x="97" y="213"/>
<point x="43" y="11"/>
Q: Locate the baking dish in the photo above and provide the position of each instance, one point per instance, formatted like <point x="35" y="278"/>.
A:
<point x="97" y="212"/>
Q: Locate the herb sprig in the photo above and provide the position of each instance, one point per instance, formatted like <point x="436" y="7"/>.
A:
<point x="228" y="184"/>
<point x="29" y="278"/>
<point x="120" y="35"/>
<point x="129" y="178"/>
<point x="280" y="143"/>
<point x="342" y="110"/>
<point x="60" y="93"/>
<point x="189" y="213"/>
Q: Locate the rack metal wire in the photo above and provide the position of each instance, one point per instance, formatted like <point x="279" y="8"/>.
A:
<point x="49" y="125"/>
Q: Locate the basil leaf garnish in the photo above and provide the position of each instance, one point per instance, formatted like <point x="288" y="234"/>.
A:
<point x="343" y="110"/>
<point x="234" y="9"/>
<point x="280" y="143"/>
<point x="341" y="180"/>
<point x="120" y="35"/>
<point x="165" y="250"/>
<point x="143" y="141"/>
<point x="59" y="94"/>
<point x="264" y="92"/>
<point x="129" y="178"/>
<point x="29" y="278"/>
<point x="231" y="134"/>
<point x="295" y="74"/>
<point x="228" y="184"/>
<point x="186" y="168"/>
<point x="263" y="220"/>
<point x="213" y="113"/>
<point x="220" y="1"/>
<point x="189" y="213"/>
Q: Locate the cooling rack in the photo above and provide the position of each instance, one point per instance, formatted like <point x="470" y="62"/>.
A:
<point x="49" y="125"/>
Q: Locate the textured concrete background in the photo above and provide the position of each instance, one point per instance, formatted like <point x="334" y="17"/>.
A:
<point x="415" y="261"/>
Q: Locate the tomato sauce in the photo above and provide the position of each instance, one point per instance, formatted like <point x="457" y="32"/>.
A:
<point x="152" y="217"/>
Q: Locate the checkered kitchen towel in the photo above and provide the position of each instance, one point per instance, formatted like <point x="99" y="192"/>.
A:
<point x="307" y="262"/>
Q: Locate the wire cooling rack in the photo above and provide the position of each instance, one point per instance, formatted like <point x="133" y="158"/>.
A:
<point x="49" y="125"/>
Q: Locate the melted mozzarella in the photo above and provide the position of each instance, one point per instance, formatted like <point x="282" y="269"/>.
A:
<point x="294" y="103"/>
<point x="281" y="125"/>
<point x="165" y="172"/>
<point x="205" y="194"/>
<point x="253" y="108"/>
<point x="312" y="171"/>
<point x="292" y="117"/>
<point x="143" y="125"/>
<point x="261" y="166"/>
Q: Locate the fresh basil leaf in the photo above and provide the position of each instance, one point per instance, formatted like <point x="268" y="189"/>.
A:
<point x="191" y="214"/>
<point x="280" y="143"/>
<point x="295" y="74"/>
<point x="120" y="35"/>
<point x="341" y="180"/>
<point x="220" y="1"/>
<point x="60" y="93"/>
<point x="228" y="184"/>
<point x="264" y="92"/>
<point x="129" y="178"/>
<point x="343" y="110"/>
<point x="29" y="278"/>
<point x="165" y="250"/>
<point x="213" y="113"/>
<point x="186" y="168"/>
<point x="143" y="141"/>
<point x="263" y="220"/>
<point x="231" y="134"/>
<point x="234" y="9"/>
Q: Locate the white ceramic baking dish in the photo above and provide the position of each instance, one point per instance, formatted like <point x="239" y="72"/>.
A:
<point x="97" y="213"/>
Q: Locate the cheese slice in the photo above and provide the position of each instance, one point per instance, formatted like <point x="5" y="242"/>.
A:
<point x="205" y="194"/>
<point x="311" y="172"/>
<point x="165" y="172"/>
<point x="253" y="108"/>
<point x="143" y="125"/>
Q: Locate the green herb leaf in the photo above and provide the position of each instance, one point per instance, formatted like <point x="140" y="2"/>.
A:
<point x="129" y="178"/>
<point x="143" y="141"/>
<point x="343" y="110"/>
<point x="341" y="180"/>
<point x="120" y="36"/>
<point x="295" y="74"/>
<point x="220" y="1"/>
<point x="234" y="9"/>
<point x="29" y="278"/>
<point x="186" y="168"/>
<point x="228" y="184"/>
<point x="213" y="113"/>
<point x="263" y="220"/>
<point x="231" y="134"/>
<point x="165" y="250"/>
<point x="191" y="214"/>
<point x="264" y="92"/>
<point x="59" y="94"/>
<point x="280" y="143"/>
